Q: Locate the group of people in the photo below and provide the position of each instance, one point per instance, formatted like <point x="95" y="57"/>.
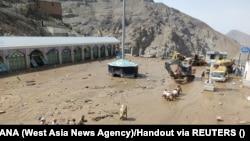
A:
<point x="81" y="121"/>
<point x="238" y="70"/>
<point x="44" y="122"/>
<point x="170" y="95"/>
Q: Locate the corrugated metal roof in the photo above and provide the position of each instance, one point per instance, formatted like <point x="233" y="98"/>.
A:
<point x="13" y="42"/>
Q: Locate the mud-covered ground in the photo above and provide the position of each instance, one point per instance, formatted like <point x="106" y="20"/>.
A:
<point x="87" y="89"/>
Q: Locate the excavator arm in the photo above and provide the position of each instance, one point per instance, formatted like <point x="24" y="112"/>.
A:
<point x="183" y="73"/>
<point x="169" y="69"/>
<point x="168" y="65"/>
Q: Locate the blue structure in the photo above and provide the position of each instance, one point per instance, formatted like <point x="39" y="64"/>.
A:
<point x="122" y="67"/>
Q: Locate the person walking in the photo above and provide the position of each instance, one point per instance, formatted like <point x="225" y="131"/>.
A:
<point x="54" y="122"/>
<point x="202" y="75"/>
<point x="179" y="89"/>
<point x="43" y="121"/>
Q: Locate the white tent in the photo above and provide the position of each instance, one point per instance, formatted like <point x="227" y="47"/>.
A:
<point x="246" y="74"/>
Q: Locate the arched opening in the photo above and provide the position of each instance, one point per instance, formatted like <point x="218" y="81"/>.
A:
<point x="66" y="55"/>
<point x="77" y="54"/>
<point x="114" y="51"/>
<point x="87" y="53"/>
<point x="37" y="59"/>
<point x="3" y="67"/>
<point x="109" y="48"/>
<point x="53" y="57"/>
<point x="103" y="52"/>
<point x="17" y="61"/>
<point x="95" y="52"/>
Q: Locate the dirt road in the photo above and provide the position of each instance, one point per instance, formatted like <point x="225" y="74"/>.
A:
<point x="87" y="89"/>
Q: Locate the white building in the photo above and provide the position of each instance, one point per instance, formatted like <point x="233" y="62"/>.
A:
<point x="18" y="53"/>
<point x="246" y="74"/>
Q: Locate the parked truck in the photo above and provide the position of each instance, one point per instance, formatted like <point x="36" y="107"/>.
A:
<point x="219" y="73"/>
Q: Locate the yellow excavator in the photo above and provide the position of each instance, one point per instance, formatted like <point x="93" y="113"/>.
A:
<point x="220" y="58"/>
<point x="228" y="63"/>
<point x="177" y="55"/>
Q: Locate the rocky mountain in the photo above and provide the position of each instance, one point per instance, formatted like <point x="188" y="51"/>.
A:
<point x="152" y="29"/>
<point x="241" y="37"/>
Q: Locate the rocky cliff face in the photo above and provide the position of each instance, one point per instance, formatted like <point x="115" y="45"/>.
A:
<point x="152" y="29"/>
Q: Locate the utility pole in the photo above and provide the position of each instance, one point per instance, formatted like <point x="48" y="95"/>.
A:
<point x="123" y="29"/>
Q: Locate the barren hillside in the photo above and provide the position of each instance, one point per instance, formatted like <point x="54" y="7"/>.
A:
<point x="152" y="29"/>
<point x="241" y="37"/>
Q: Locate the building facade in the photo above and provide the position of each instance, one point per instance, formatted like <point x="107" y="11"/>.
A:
<point x="18" y="53"/>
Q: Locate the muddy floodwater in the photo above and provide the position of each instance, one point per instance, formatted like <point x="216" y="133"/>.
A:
<point x="71" y="91"/>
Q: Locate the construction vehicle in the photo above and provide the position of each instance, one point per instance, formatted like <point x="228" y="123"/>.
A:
<point x="219" y="73"/>
<point x="220" y="58"/>
<point x="177" y="55"/>
<point x="228" y="63"/>
<point x="183" y="73"/>
<point x="198" y="60"/>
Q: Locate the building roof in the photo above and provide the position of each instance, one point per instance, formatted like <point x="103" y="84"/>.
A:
<point x="14" y="42"/>
<point x="217" y="52"/>
<point x="122" y="63"/>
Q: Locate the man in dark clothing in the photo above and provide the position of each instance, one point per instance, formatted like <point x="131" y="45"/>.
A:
<point x="202" y="75"/>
